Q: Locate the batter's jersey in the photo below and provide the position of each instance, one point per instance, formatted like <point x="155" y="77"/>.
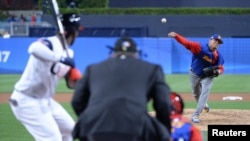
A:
<point x="37" y="79"/>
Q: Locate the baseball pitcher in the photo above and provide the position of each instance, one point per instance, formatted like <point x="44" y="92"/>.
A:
<point x="32" y="99"/>
<point x="207" y="63"/>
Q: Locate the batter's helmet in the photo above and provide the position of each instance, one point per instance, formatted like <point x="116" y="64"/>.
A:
<point x="71" y="20"/>
<point x="71" y="23"/>
<point x="177" y="103"/>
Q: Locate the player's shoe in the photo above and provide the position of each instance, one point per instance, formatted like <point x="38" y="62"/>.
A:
<point x="195" y="119"/>
<point x="206" y="108"/>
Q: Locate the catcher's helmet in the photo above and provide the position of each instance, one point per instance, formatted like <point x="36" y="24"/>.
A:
<point x="71" y="20"/>
<point x="177" y="103"/>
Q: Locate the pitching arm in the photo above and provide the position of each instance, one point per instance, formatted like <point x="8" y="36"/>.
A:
<point x="194" y="47"/>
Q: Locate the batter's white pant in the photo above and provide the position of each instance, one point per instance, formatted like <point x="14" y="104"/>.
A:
<point x="45" y="119"/>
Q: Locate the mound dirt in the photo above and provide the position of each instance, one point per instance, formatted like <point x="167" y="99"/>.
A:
<point x="219" y="117"/>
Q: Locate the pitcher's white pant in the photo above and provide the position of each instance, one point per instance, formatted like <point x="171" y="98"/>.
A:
<point x="45" y="119"/>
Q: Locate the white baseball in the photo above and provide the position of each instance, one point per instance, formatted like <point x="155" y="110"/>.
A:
<point x="163" y="20"/>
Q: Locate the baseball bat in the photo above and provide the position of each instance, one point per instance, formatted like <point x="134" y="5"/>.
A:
<point x="56" y="16"/>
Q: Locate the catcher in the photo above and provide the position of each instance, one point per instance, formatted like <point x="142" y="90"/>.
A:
<point x="207" y="63"/>
<point x="182" y="129"/>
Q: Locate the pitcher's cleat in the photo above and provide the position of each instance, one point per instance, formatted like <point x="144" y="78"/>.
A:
<point x="206" y="108"/>
<point x="195" y="119"/>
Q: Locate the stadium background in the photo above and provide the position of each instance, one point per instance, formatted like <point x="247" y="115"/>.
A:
<point x="164" y="51"/>
<point x="102" y="30"/>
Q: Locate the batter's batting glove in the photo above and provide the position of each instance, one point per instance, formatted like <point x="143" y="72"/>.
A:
<point x="74" y="74"/>
<point x="68" y="61"/>
<point x="72" y="77"/>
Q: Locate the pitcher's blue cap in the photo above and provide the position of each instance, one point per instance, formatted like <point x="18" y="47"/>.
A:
<point x="217" y="37"/>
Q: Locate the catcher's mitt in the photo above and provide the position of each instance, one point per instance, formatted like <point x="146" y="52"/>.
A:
<point x="211" y="71"/>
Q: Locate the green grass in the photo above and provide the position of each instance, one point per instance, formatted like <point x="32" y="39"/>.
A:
<point x="177" y="82"/>
<point x="7" y="83"/>
<point x="222" y="84"/>
<point x="12" y="130"/>
<point x="244" y="105"/>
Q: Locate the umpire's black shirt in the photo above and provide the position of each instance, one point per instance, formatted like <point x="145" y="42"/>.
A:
<point x="112" y="97"/>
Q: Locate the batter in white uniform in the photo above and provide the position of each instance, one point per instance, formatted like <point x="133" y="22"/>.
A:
<point x="32" y="99"/>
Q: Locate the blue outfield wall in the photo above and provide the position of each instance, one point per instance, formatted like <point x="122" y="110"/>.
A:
<point x="172" y="56"/>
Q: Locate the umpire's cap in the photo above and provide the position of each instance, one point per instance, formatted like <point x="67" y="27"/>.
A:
<point x="125" y="44"/>
<point x="218" y="38"/>
<point x="177" y="103"/>
<point x="71" y="20"/>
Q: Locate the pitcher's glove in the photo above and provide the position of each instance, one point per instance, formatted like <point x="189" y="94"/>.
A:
<point x="211" y="71"/>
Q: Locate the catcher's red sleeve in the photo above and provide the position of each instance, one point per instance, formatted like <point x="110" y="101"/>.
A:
<point x="196" y="134"/>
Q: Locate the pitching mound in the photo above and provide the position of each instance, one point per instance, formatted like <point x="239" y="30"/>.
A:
<point x="225" y="116"/>
<point x="215" y="116"/>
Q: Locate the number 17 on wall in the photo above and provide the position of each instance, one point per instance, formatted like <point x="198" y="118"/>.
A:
<point x="4" y="55"/>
